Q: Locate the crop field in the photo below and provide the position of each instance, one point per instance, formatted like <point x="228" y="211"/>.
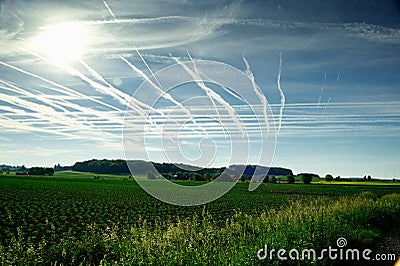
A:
<point x="74" y="219"/>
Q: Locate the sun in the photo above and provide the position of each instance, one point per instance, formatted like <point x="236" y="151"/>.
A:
<point x="62" y="43"/>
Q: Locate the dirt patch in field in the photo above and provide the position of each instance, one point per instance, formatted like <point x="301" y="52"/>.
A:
<point x="388" y="243"/>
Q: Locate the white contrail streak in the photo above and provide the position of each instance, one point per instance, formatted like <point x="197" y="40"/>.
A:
<point x="13" y="125"/>
<point x="46" y="112"/>
<point x="59" y="88"/>
<point x="134" y="20"/>
<point x="326" y="106"/>
<point x="98" y="76"/>
<point x="283" y="99"/>
<point x="85" y="110"/>
<point x="118" y="95"/>
<point x="360" y="30"/>
<point x="126" y="61"/>
<point x="59" y="104"/>
<point x="107" y="90"/>
<point x="320" y="97"/>
<point x="121" y="96"/>
<point x="212" y="95"/>
<point x="322" y="91"/>
<point x="13" y="88"/>
<point x="109" y="9"/>
<point x="201" y="84"/>
<point x="144" y="61"/>
<point x="56" y="122"/>
<point x="163" y="93"/>
<point x="257" y="91"/>
<point x="137" y="51"/>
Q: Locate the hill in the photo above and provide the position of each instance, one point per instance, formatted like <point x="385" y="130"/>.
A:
<point x="141" y="167"/>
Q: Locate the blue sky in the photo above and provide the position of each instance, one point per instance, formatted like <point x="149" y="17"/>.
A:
<point x="64" y="84"/>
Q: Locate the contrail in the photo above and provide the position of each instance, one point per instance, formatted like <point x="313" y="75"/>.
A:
<point x="137" y="51"/>
<point x="101" y="78"/>
<point x="227" y="90"/>
<point x="17" y="89"/>
<point x="320" y="97"/>
<point x="118" y="95"/>
<point x="134" y="20"/>
<point x="59" y="88"/>
<point x="47" y="112"/>
<point x="201" y="84"/>
<point x="63" y="90"/>
<point x="212" y="94"/>
<point x="44" y="112"/>
<point x="256" y="89"/>
<point x="322" y="90"/>
<point x="13" y="88"/>
<point x="82" y="120"/>
<point x="122" y="97"/>
<point x="13" y="125"/>
<point x="109" y="9"/>
<point x="131" y="65"/>
<point x="86" y="110"/>
<point x="281" y="92"/>
<point x="163" y="93"/>
<point x="326" y="106"/>
<point x="97" y="86"/>
<point x="144" y="61"/>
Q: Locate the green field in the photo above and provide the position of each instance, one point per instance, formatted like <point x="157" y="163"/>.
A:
<point x="74" y="219"/>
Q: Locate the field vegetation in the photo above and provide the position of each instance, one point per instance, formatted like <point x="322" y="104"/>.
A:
<point x="72" y="219"/>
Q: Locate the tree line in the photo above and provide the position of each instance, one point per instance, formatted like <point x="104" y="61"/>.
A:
<point x="38" y="171"/>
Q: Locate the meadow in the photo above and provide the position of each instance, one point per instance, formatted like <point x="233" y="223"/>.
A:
<point x="75" y="219"/>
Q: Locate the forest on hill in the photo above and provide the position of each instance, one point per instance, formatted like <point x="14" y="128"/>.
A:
<point x="142" y="167"/>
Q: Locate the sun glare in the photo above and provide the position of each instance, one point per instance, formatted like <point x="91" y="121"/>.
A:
<point x="63" y="43"/>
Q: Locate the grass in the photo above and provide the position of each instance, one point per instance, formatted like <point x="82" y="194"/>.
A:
<point x="69" y="221"/>
<point x="76" y="174"/>
<point x="200" y="241"/>
<point x="361" y="183"/>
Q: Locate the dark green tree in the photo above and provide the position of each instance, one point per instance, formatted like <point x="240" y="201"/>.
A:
<point x="329" y="178"/>
<point x="306" y="178"/>
<point x="197" y="177"/>
<point x="49" y="171"/>
<point x="215" y="175"/>
<point x="290" y="179"/>
<point x="37" y="171"/>
<point x="266" y="179"/>
<point x="272" y="180"/>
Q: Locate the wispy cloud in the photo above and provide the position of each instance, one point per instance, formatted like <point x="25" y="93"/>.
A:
<point x="80" y="102"/>
<point x="370" y="32"/>
<point x="10" y="22"/>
